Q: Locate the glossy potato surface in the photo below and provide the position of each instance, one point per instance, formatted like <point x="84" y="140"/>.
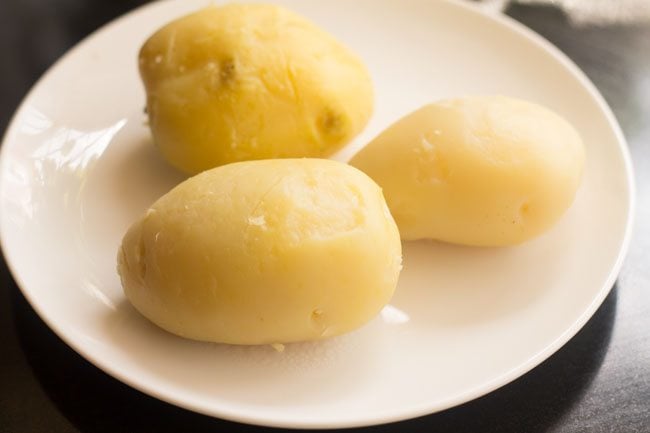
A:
<point x="258" y="252"/>
<point x="485" y="170"/>
<point x="241" y="82"/>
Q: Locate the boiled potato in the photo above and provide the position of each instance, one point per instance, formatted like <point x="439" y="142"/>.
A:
<point x="269" y="251"/>
<point x="241" y="82"/>
<point x="486" y="170"/>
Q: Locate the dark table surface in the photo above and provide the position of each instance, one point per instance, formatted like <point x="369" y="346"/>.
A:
<point x="598" y="382"/>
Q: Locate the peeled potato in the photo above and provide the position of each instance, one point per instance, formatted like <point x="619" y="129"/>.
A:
<point x="258" y="252"/>
<point x="241" y="82"/>
<point x="484" y="171"/>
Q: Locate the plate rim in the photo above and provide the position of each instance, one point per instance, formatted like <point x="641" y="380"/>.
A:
<point x="423" y="409"/>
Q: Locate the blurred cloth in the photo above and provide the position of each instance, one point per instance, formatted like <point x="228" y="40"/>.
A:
<point x="589" y="12"/>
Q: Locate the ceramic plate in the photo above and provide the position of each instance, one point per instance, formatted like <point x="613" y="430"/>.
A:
<point x="78" y="167"/>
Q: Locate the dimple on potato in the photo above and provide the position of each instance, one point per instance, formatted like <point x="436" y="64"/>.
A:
<point x="483" y="170"/>
<point x="258" y="252"/>
<point x="250" y="81"/>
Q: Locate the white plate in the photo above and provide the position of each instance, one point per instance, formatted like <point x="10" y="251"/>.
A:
<point x="78" y="167"/>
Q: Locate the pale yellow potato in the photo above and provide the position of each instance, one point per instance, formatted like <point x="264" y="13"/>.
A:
<point x="241" y="82"/>
<point x="258" y="252"/>
<point x="487" y="170"/>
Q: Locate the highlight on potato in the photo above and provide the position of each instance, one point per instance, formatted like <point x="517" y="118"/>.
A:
<point x="263" y="252"/>
<point x="250" y="81"/>
<point x="482" y="170"/>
